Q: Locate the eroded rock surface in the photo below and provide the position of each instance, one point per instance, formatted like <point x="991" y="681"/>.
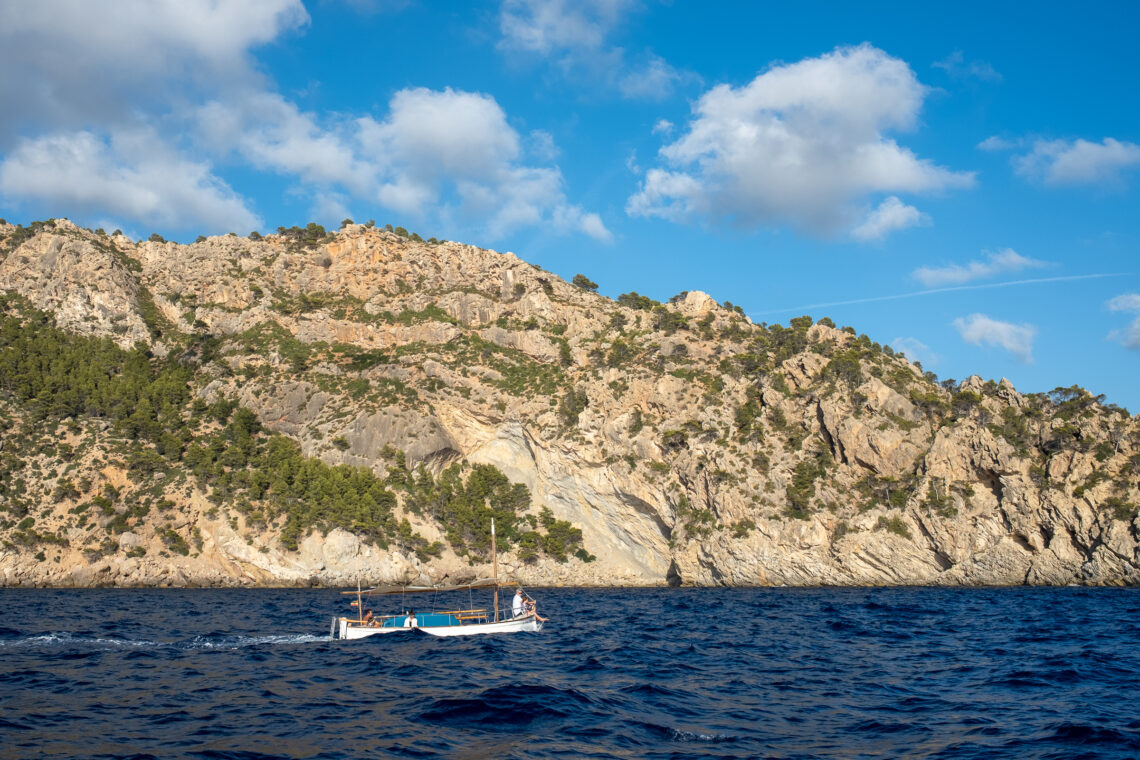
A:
<point x="686" y="443"/>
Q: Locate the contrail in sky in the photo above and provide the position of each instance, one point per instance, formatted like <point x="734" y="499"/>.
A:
<point x="932" y="291"/>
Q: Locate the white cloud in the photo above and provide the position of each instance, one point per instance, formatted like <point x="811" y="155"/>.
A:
<point x="152" y="95"/>
<point x="541" y="145"/>
<point x="653" y="81"/>
<point x="958" y="67"/>
<point x="978" y="329"/>
<point x="82" y="62"/>
<point x="434" y="134"/>
<point x="665" y="194"/>
<point x="270" y="133"/>
<point x="1129" y="336"/>
<point x="997" y="262"/>
<point x="995" y="143"/>
<point x="573" y="218"/>
<point x="1076" y="162"/>
<point x="663" y="127"/>
<point x="631" y="162"/>
<point x="916" y="350"/>
<point x="574" y="35"/>
<point x="373" y="7"/>
<point x="103" y="90"/>
<point x="892" y="214"/>
<point x="556" y="26"/>
<point x="134" y="175"/>
<point x="437" y="145"/>
<point x="592" y="225"/>
<point x="802" y="144"/>
<point x="329" y="209"/>
<point x="1125" y="302"/>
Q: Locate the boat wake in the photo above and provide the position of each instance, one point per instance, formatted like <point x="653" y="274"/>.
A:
<point x="237" y="642"/>
<point x="73" y="642"/>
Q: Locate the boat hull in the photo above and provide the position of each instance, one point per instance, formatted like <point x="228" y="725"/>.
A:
<point x="350" y="629"/>
<point x="528" y="623"/>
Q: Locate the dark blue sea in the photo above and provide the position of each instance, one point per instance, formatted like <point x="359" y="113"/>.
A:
<point x="764" y="673"/>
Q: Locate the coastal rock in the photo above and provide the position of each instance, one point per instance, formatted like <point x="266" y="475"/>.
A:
<point x="685" y="444"/>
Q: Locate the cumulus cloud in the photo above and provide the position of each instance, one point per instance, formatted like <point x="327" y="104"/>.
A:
<point x="450" y="133"/>
<point x="574" y="35"/>
<point x="1078" y="162"/>
<point x="997" y="262"/>
<point x="802" y="144"/>
<point x="153" y="95"/>
<point x="331" y="206"/>
<point x="268" y="132"/>
<point x="573" y="218"/>
<point x="133" y="175"/>
<point x="444" y="157"/>
<point x="118" y="53"/>
<point x="541" y="145"/>
<point x="958" y="67"/>
<point x="556" y="26"/>
<point x="631" y="163"/>
<point x="1125" y="302"/>
<point x="978" y="329"/>
<point x="916" y="350"/>
<point x="1129" y="336"/>
<point x="103" y="91"/>
<point x="892" y="214"/>
<point x="995" y="143"/>
<point x="435" y="141"/>
<point x="654" y="80"/>
<point x="372" y="7"/>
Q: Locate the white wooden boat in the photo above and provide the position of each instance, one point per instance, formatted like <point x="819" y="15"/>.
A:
<point x="467" y="621"/>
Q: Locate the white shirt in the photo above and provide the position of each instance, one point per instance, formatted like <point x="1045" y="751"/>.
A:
<point x="410" y="621"/>
<point x="517" y="604"/>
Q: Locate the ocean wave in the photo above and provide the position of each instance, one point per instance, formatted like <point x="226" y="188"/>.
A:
<point x="799" y="673"/>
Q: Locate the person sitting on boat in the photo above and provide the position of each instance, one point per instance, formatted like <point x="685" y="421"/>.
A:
<point x="368" y="617"/>
<point x="531" y="608"/>
<point x="410" y="620"/>
<point x="517" y="604"/>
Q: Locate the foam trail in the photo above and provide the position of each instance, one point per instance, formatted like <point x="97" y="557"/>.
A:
<point x="70" y="641"/>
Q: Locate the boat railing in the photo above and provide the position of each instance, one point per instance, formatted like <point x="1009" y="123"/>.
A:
<point x="474" y="613"/>
<point x="374" y="619"/>
<point x="463" y="616"/>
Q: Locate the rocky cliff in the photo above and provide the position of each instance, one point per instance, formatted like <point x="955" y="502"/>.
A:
<point x="674" y="443"/>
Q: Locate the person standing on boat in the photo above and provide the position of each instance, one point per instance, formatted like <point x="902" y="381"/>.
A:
<point x="517" y="603"/>
<point x="410" y="620"/>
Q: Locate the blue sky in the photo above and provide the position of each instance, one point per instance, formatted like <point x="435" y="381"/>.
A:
<point x="959" y="181"/>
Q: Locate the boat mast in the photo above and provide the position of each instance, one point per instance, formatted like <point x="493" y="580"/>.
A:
<point x="495" y="561"/>
<point x="359" y="604"/>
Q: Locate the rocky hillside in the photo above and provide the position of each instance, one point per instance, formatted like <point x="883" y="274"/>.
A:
<point x="312" y="408"/>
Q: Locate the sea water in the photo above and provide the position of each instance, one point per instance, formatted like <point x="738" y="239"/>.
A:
<point x="757" y="673"/>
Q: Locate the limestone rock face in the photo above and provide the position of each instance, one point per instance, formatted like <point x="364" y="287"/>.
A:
<point x="78" y="279"/>
<point x="696" y="304"/>
<point x="687" y="444"/>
